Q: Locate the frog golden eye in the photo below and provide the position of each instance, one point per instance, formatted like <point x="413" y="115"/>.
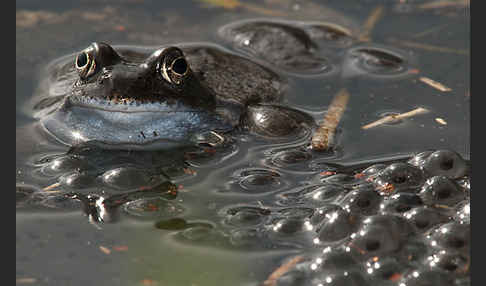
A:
<point x="85" y="65"/>
<point x="179" y="66"/>
<point x="174" y="70"/>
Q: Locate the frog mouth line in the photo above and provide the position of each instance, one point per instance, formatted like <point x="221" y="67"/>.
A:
<point x="128" y="105"/>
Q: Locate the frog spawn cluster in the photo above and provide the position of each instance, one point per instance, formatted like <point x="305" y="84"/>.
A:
<point x="402" y="223"/>
<point x="405" y="222"/>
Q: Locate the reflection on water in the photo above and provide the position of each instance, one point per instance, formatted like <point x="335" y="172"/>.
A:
<point x="231" y="214"/>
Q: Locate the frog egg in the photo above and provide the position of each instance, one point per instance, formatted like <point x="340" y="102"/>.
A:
<point x="257" y="181"/>
<point x="342" y="179"/>
<point x="295" y="212"/>
<point x="326" y="192"/>
<point x="426" y="277"/>
<point x="445" y="162"/>
<point x="297" y="195"/>
<point x="61" y="202"/>
<point x="320" y="214"/>
<point x="64" y="164"/>
<point x="342" y="278"/>
<point x="400" y="203"/>
<point x="372" y="170"/>
<point x="419" y="159"/>
<point x="452" y="262"/>
<point x="245" y="237"/>
<point x="334" y="259"/>
<point x="294" y="232"/>
<point x="399" y="177"/>
<point x="126" y="178"/>
<point x="424" y="218"/>
<point x="336" y="225"/>
<point x="152" y="208"/>
<point x="375" y="62"/>
<point x="463" y="212"/>
<point x="440" y="190"/>
<point x="381" y="235"/>
<point x="245" y="216"/>
<point x="362" y="202"/>
<point x="289" y="226"/>
<point x="452" y="236"/>
<point x="77" y="180"/>
<point x="382" y="270"/>
<point x="172" y="224"/>
<point x="201" y="232"/>
<point x="288" y="157"/>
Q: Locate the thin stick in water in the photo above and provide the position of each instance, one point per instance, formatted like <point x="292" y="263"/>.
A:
<point x="323" y="138"/>
<point x="427" y="47"/>
<point x="370" y="23"/>
<point x="434" y="84"/>
<point x="394" y="117"/>
<point x="284" y="268"/>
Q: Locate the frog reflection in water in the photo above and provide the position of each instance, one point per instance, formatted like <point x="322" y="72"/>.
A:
<point x="141" y="97"/>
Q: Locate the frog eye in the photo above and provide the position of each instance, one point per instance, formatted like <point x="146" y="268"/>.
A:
<point x="85" y="64"/>
<point x="179" y="66"/>
<point x="173" y="66"/>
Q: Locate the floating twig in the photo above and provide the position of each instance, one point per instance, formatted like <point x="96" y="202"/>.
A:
<point x="429" y="31"/>
<point x="441" y="121"/>
<point x="105" y="250"/>
<point x="370" y="23"/>
<point x="394" y="117"/>
<point x="284" y="268"/>
<point x="25" y="280"/>
<point x="323" y="138"/>
<point x="434" y="84"/>
<point x="444" y="3"/>
<point x="428" y="47"/>
<point x="51" y="187"/>
<point x="233" y="4"/>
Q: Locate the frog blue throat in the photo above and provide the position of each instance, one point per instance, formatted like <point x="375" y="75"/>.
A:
<point x="158" y="125"/>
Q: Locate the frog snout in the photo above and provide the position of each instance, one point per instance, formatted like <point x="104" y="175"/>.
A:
<point x="126" y="80"/>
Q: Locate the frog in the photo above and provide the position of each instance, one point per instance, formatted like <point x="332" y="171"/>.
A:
<point x="165" y="96"/>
